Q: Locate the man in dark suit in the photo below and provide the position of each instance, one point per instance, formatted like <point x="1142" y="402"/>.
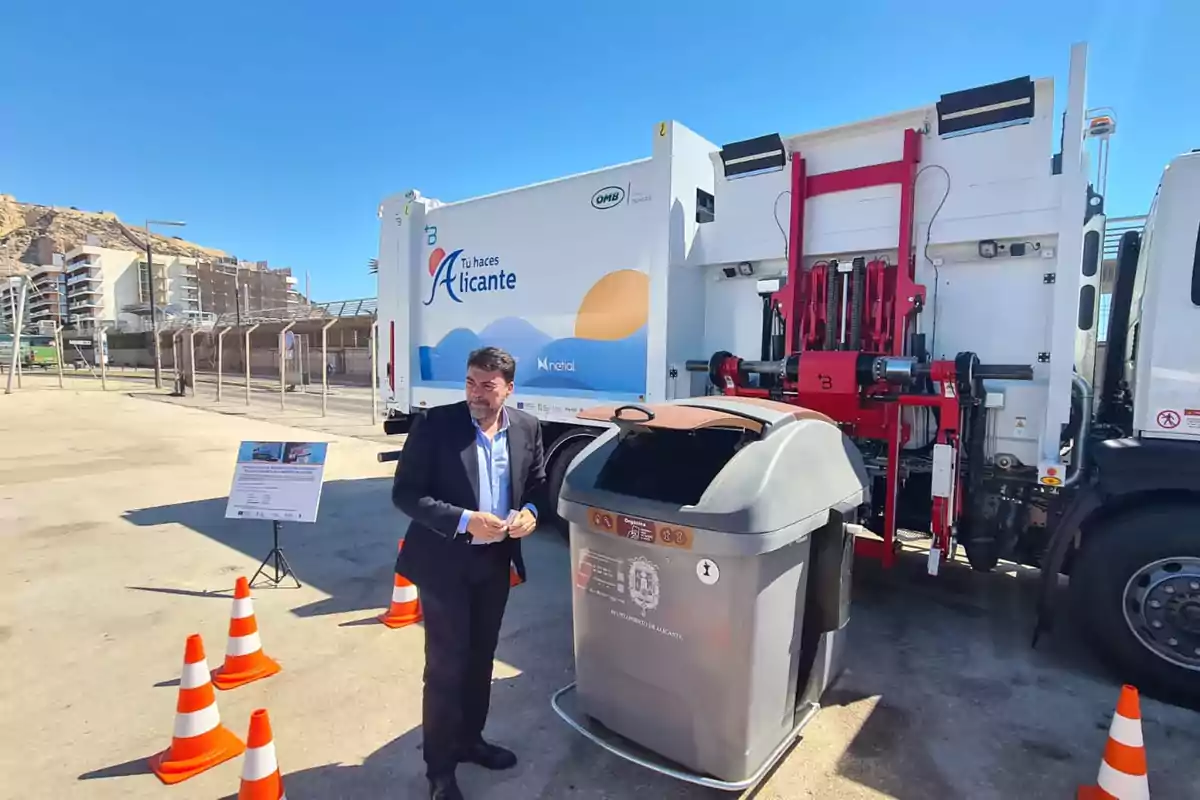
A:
<point x="469" y="477"/>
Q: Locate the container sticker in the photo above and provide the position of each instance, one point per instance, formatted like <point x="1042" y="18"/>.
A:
<point x="707" y="571"/>
<point x="601" y="575"/>
<point x="640" y="530"/>
<point x="643" y="584"/>
<point x="630" y="588"/>
<point x="646" y="531"/>
<point x="1191" y="416"/>
<point x="1168" y="418"/>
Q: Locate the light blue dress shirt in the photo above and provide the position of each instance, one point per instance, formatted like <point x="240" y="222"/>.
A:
<point x="494" y="482"/>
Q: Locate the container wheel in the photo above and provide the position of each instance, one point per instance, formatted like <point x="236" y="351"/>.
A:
<point x="555" y="473"/>
<point x="1136" y="589"/>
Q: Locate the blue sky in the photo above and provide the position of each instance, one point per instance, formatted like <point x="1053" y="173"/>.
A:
<point x="274" y="128"/>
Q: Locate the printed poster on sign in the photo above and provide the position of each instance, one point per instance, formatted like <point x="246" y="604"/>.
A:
<point x="277" y="481"/>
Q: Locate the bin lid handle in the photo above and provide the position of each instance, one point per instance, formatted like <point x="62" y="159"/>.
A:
<point x="641" y="409"/>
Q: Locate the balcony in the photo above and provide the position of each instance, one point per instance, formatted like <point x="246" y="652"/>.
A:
<point x="84" y="289"/>
<point x="84" y="263"/>
<point x="86" y="277"/>
<point x="86" y="304"/>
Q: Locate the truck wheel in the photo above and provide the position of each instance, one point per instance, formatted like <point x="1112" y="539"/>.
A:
<point x="1136" y="588"/>
<point x="554" y="479"/>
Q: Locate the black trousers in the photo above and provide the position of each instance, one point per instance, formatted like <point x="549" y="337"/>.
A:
<point x="462" y="626"/>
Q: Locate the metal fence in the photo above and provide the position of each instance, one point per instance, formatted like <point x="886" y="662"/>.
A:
<point x="279" y="343"/>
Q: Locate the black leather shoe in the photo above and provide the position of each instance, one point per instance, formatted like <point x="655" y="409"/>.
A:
<point x="488" y="756"/>
<point x="444" y="788"/>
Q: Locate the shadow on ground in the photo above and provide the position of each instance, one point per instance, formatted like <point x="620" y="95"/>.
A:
<point x="964" y="706"/>
<point x="348" y="553"/>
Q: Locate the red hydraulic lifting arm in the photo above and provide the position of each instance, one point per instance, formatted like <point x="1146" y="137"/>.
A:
<point x="905" y="293"/>
<point x="894" y="296"/>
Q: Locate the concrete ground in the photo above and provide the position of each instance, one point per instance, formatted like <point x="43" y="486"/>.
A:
<point x="115" y="549"/>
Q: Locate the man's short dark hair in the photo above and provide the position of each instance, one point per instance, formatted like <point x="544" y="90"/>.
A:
<point x="493" y="359"/>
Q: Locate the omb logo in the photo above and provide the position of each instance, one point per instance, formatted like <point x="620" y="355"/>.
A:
<point x="608" y="197"/>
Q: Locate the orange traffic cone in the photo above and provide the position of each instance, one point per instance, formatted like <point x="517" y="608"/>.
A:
<point x="260" y="769"/>
<point x="406" y="603"/>
<point x="514" y="579"/>
<point x="1123" y="769"/>
<point x="245" y="660"/>
<point x="200" y="740"/>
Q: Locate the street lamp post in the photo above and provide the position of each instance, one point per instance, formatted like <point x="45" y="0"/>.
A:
<point x="153" y="302"/>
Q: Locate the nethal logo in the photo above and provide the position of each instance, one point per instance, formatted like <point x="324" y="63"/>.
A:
<point x="546" y="365"/>
<point x="608" y="197"/>
<point x="462" y="274"/>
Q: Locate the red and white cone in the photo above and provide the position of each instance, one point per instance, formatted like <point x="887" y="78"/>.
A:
<point x="200" y="741"/>
<point x="260" y="768"/>
<point x="1123" y="768"/>
<point x="245" y="660"/>
<point x="405" y="608"/>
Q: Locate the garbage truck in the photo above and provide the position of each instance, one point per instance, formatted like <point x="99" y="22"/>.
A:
<point x="1019" y="374"/>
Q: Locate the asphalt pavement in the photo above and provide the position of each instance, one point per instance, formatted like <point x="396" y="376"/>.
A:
<point x="116" y="548"/>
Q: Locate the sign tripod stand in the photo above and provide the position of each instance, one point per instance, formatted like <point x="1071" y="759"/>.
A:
<point x="282" y="568"/>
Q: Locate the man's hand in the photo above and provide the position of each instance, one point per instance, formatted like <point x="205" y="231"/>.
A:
<point x="523" y="525"/>
<point x="485" y="527"/>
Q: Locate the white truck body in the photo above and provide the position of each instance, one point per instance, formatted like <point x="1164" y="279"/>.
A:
<point x="558" y="274"/>
<point x="603" y="284"/>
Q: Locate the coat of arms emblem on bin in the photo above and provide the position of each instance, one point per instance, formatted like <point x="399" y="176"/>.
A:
<point x="643" y="584"/>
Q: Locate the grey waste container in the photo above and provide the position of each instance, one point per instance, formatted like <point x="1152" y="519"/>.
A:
<point x="711" y="564"/>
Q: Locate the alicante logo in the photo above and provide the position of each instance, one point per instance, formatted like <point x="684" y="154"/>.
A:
<point x="460" y="274"/>
<point x="608" y="197"/>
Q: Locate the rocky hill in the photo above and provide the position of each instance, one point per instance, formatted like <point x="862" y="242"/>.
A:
<point x="28" y="231"/>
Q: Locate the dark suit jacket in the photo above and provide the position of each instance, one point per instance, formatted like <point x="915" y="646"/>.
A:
<point x="437" y="477"/>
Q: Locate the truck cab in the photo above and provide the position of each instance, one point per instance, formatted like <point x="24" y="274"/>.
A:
<point x="1129" y="533"/>
<point x="1160" y="364"/>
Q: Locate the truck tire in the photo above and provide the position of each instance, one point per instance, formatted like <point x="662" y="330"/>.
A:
<point x="555" y="472"/>
<point x="1136" y="589"/>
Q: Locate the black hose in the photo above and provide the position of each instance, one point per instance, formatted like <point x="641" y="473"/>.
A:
<point x="779" y="328"/>
<point x="857" y="281"/>
<point x="767" y="320"/>
<point x="1004" y="372"/>
<point x="831" y="307"/>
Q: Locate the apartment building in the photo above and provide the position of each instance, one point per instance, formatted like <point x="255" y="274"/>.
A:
<point x="8" y="297"/>
<point x="46" y="302"/>
<point x="43" y="304"/>
<point x="92" y="287"/>
<point x="230" y="287"/>
<point x="107" y="288"/>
